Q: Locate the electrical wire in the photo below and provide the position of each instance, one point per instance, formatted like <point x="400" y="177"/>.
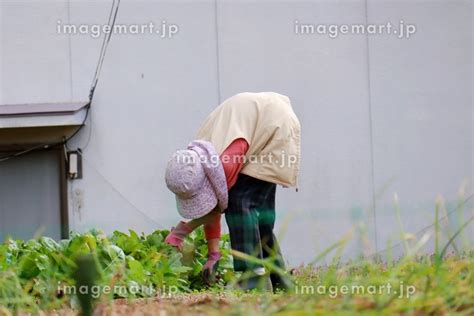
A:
<point x="20" y="153"/>
<point x="111" y="22"/>
<point x="104" y="47"/>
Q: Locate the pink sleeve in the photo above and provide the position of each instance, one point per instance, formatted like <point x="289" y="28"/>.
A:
<point x="233" y="159"/>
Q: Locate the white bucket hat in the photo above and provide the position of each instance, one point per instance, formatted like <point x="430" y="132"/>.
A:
<point x="197" y="178"/>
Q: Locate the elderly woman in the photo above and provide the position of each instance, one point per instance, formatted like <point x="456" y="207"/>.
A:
<point x="247" y="145"/>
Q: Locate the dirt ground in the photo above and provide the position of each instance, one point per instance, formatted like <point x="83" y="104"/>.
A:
<point x="185" y="304"/>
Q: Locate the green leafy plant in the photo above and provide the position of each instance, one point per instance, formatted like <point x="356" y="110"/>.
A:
<point x="39" y="273"/>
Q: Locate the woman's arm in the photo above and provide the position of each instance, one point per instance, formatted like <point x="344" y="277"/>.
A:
<point x="233" y="159"/>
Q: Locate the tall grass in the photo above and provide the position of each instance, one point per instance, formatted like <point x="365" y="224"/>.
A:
<point x="444" y="280"/>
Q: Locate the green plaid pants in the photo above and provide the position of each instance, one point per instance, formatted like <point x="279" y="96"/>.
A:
<point x="251" y="218"/>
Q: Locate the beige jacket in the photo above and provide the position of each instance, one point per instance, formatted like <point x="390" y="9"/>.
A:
<point x="267" y="122"/>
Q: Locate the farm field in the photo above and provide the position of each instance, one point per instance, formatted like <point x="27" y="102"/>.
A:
<point x="132" y="274"/>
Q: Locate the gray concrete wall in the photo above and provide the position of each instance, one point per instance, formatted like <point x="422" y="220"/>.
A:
<point x="379" y="114"/>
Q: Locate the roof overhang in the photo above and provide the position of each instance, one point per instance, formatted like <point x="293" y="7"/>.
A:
<point x="42" y="114"/>
<point x="25" y="124"/>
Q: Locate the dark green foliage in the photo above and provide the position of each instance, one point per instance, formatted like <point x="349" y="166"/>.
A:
<point x="43" y="270"/>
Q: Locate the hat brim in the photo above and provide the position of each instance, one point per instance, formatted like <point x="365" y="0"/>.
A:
<point x="198" y="205"/>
